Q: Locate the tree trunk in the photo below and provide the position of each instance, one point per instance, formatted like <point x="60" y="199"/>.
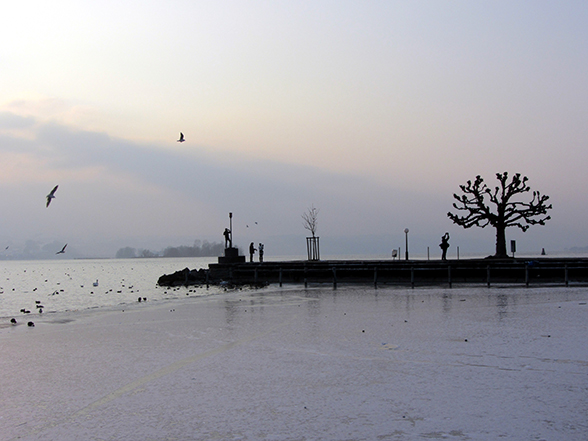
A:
<point x="501" y="241"/>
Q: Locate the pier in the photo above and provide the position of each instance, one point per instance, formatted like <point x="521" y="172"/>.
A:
<point x="412" y="273"/>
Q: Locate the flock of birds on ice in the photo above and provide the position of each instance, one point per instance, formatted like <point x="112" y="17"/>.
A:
<point x="129" y="289"/>
<point x="39" y="306"/>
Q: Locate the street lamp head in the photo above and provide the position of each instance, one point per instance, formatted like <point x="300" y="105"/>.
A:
<point x="406" y="230"/>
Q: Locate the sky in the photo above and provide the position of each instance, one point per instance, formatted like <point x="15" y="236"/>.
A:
<point x="374" y="112"/>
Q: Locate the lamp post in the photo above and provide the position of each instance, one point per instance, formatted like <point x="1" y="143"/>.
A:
<point x="406" y="236"/>
<point x="231" y="228"/>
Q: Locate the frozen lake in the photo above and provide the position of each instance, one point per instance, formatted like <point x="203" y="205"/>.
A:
<point x="296" y="364"/>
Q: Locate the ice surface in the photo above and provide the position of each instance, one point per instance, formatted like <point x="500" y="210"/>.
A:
<point x="316" y="364"/>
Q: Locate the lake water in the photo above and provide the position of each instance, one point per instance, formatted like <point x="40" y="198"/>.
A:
<point x="66" y="285"/>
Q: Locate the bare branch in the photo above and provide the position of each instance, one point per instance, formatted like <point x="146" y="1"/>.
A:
<point x="310" y="219"/>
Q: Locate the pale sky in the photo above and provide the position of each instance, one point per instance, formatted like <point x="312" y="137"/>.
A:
<point x="373" y="111"/>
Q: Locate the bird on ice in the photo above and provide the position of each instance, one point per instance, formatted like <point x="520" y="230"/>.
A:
<point x="181" y="138"/>
<point x="62" y="250"/>
<point x="51" y="195"/>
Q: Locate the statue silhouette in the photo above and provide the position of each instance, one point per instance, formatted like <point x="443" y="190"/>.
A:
<point x="444" y="245"/>
<point x="228" y="238"/>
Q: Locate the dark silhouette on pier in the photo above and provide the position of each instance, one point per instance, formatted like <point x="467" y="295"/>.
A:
<point x="228" y="239"/>
<point x="251" y="251"/>
<point x="444" y="245"/>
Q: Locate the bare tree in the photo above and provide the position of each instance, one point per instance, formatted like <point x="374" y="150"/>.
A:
<point x="310" y="219"/>
<point x="310" y="222"/>
<point x="499" y="207"/>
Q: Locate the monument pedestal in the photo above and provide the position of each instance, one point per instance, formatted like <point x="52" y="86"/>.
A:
<point x="231" y="256"/>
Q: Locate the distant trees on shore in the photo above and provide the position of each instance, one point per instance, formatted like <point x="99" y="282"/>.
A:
<point x="199" y="249"/>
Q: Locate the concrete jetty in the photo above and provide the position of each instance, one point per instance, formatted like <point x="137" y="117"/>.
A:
<point x="539" y="271"/>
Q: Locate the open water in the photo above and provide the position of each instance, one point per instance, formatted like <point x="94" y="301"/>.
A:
<point x="68" y="285"/>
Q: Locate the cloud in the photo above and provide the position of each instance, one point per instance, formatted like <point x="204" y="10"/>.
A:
<point x="135" y="182"/>
<point x="123" y="193"/>
<point x="9" y="120"/>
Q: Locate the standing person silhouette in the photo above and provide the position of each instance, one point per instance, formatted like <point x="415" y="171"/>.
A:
<point x="251" y="251"/>
<point x="444" y="245"/>
<point x="260" y="252"/>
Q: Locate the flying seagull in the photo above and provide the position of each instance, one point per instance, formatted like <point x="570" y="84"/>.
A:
<point x="51" y="195"/>
<point x="62" y="250"/>
<point x="181" y="138"/>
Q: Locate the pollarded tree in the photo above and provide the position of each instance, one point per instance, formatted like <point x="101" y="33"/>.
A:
<point x="499" y="207"/>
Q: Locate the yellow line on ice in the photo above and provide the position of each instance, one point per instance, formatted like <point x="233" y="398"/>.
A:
<point x="153" y="376"/>
<point x="168" y="370"/>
